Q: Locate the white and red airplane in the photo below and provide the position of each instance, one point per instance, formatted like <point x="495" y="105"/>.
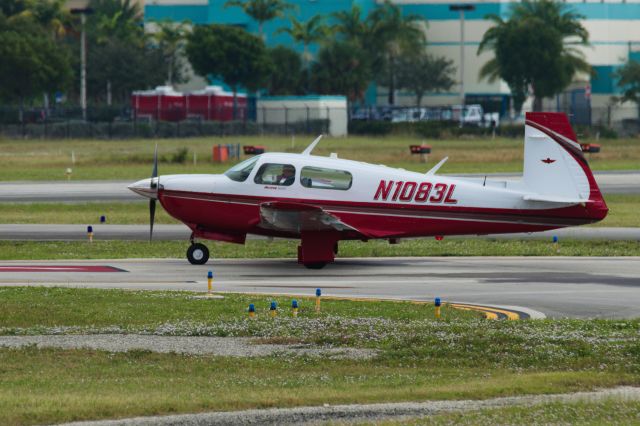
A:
<point x="323" y="200"/>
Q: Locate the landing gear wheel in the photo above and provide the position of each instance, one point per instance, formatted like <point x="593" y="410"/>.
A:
<point x="315" y="265"/>
<point x="198" y="254"/>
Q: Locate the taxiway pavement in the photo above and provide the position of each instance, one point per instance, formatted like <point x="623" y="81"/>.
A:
<point x="57" y="232"/>
<point x="556" y="286"/>
<point x="614" y="182"/>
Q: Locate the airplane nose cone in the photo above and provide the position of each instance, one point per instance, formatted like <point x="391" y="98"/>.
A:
<point x="143" y="187"/>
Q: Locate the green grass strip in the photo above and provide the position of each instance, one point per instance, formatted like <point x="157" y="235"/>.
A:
<point x="67" y="250"/>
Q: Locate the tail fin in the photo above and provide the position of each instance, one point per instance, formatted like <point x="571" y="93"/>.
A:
<point x="554" y="166"/>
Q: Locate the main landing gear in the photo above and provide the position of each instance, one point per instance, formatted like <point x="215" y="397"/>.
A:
<point x="317" y="249"/>
<point x="197" y="254"/>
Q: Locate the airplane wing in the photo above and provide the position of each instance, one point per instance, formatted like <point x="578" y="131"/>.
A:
<point x="298" y="217"/>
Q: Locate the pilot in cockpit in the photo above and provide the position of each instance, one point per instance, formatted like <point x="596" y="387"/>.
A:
<point x="288" y="175"/>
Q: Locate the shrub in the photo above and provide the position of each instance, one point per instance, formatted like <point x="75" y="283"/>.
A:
<point x="370" y="128"/>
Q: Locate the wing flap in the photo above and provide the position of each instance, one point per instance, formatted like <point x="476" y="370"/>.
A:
<point x="298" y="217"/>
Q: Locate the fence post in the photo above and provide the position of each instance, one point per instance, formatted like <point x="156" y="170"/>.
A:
<point x="308" y="123"/>
<point x="286" y="120"/>
<point x="326" y="131"/>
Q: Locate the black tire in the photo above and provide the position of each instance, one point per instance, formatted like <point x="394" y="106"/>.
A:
<point x="198" y="254"/>
<point x="315" y="265"/>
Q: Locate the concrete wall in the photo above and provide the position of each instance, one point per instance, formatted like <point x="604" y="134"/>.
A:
<point x="292" y="109"/>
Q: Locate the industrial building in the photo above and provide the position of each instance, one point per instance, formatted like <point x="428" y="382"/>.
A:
<point x="612" y="25"/>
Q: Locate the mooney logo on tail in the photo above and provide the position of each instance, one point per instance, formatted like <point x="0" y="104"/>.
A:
<point x="548" y="160"/>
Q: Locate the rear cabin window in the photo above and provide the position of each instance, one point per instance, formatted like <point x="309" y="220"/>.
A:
<point x="321" y="178"/>
<point x="276" y="174"/>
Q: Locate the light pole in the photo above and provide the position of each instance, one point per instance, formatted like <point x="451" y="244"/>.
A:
<point x="461" y="8"/>
<point x="83" y="12"/>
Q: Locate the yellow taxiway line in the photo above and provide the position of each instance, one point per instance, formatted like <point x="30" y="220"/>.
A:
<point x="488" y="311"/>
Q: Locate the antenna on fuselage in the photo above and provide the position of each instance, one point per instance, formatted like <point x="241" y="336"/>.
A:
<point x="435" y="168"/>
<point x="313" y="144"/>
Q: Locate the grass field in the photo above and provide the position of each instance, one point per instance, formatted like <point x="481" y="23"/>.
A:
<point x="66" y="250"/>
<point x="132" y="159"/>
<point x="419" y="358"/>
<point x="622" y="212"/>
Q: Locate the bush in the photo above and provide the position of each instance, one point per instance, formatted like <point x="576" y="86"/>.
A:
<point x="370" y="128"/>
<point x="583" y="131"/>
<point x="511" y="130"/>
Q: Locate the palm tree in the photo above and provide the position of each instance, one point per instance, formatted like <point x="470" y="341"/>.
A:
<point x="548" y="19"/>
<point x="115" y="18"/>
<point x="261" y="10"/>
<point x="390" y="34"/>
<point x="170" y="37"/>
<point x="351" y="25"/>
<point x="311" y="31"/>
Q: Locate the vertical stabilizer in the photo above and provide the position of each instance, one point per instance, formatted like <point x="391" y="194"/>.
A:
<point x="554" y="165"/>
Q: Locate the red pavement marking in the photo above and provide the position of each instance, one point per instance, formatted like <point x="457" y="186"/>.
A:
<point x="60" y="268"/>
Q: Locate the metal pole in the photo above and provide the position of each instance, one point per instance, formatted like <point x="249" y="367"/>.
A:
<point x="462" y="59"/>
<point x="83" y="67"/>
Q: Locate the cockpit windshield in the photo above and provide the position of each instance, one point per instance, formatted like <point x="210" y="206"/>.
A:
<point x="241" y="171"/>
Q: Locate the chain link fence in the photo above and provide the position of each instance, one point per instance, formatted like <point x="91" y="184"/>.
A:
<point x="124" y="123"/>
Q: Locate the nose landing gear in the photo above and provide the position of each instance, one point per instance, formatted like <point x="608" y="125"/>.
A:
<point x="197" y="254"/>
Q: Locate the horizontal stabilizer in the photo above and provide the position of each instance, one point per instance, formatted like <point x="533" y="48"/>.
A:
<point x="554" y="199"/>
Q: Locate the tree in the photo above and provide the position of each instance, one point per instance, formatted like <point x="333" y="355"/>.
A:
<point x="311" y="31"/>
<point x="261" y="10"/>
<point x="536" y="48"/>
<point x="286" y="76"/>
<point x="49" y="14"/>
<point x="351" y="25"/>
<point x="342" y="68"/>
<point x="230" y="53"/>
<point x="32" y="63"/>
<point x="13" y="7"/>
<point x="629" y="81"/>
<point x="422" y="73"/>
<point x="121" y="19"/>
<point x="117" y="68"/>
<point x="170" y="37"/>
<point x="390" y="35"/>
<point x="120" y="56"/>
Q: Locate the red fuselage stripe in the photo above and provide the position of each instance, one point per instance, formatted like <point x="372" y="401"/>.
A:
<point x="531" y="217"/>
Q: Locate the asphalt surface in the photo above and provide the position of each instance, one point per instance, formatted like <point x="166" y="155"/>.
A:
<point x="556" y="286"/>
<point x="56" y="232"/>
<point x="618" y="182"/>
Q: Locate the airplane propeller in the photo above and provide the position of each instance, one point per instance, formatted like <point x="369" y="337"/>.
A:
<point x="155" y="182"/>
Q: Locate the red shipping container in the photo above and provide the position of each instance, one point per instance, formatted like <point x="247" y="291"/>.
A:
<point x="213" y="103"/>
<point x="162" y="103"/>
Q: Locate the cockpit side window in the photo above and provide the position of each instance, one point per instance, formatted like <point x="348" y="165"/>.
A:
<point x="321" y="178"/>
<point x="241" y="171"/>
<point x="276" y="174"/>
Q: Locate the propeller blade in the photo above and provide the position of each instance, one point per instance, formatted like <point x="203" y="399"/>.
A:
<point x="152" y="216"/>
<point x="154" y="174"/>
